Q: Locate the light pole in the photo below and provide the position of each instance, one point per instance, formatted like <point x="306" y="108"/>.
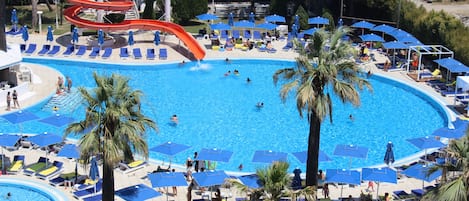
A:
<point x="39" y="13"/>
<point x="341" y="8"/>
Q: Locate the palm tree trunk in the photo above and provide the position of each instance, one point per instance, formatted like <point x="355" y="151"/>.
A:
<point x="34" y="14"/>
<point x="3" y="41"/>
<point x="108" y="181"/>
<point x="313" y="150"/>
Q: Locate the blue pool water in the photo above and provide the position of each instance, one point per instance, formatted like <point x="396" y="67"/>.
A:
<point x="219" y="112"/>
<point x="20" y="192"/>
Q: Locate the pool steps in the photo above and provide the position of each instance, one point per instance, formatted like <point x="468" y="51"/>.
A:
<point x="66" y="102"/>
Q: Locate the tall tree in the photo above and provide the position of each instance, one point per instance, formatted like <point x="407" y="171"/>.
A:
<point x="34" y="20"/>
<point x="3" y="40"/>
<point x="323" y="67"/>
<point x="113" y="126"/>
<point x="148" y="13"/>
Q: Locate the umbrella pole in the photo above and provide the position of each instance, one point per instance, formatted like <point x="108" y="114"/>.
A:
<point x="3" y="161"/>
<point x="377" y="192"/>
<point x="167" y="191"/>
<point x="341" y="189"/>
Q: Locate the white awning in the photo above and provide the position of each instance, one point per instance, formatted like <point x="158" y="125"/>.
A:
<point x="10" y="58"/>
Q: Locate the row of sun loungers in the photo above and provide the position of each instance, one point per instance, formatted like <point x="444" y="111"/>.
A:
<point x="95" y="52"/>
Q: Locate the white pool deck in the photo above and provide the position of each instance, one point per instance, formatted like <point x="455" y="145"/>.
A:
<point x="44" y="85"/>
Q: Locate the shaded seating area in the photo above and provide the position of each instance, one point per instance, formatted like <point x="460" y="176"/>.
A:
<point x="36" y="167"/>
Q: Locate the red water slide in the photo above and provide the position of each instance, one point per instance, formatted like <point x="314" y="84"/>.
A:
<point x="71" y="14"/>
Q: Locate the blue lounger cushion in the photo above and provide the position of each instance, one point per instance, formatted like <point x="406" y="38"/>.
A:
<point x="124" y="53"/>
<point x="45" y="49"/>
<point x="81" y="51"/>
<point x="29" y="171"/>
<point x="137" y="53"/>
<point x="69" y="50"/>
<point x="150" y="53"/>
<point x="163" y="53"/>
<point x="94" y="52"/>
<point x="107" y="53"/>
<point x="55" y="49"/>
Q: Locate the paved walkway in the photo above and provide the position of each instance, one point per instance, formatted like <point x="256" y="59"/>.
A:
<point x="144" y="39"/>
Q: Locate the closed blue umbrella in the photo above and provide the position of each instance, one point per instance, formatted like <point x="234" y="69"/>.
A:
<point x="8" y="141"/>
<point x="379" y="175"/>
<point x="244" y="24"/>
<point x="341" y="22"/>
<point x="215" y="155"/>
<point x="220" y="26"/>
<point x="25" y="33"/>
<point x="266" y="26"/>
<point x="131" y="41"/>
<point x="94" y="171"/>
<point x="207" y="16"/>
<point x="100" y="37"/>
<point x="156" y="39"/>
<point x="251" y="181"/>
<point x="230" y="19"/>
<point x="14" y="17"/>
<point x="297" y="21"/>
<point x="57" y="120"/>
<point x="275" y="18"/>
<point x="318" y="20"/>
<point x="294" y="30"/>
<point x="49" y="36"/>
<point x="268" y="156"/>
<point x="252" y="17"/>
<point x="389" y="155"/>
<point x="75" y="35"/>
<point x="343" y="176"/>
<point x="302" y="156"/>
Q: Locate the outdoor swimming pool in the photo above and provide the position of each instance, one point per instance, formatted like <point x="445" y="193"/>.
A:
<point x="219" y="112"/>
<point x="23" y="190"/>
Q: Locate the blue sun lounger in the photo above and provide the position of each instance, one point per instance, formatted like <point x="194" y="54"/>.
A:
<point x="81" y="51"/>
<point x="257" y="35"/>
<point x="124" y="53"/>
<point x="69" y="50"/>
<point x="45" y="49"/>
<point x="150" y="53"/>
<point x="247" y="34"/>
<point x="107" y="53"/>
<point x="163" y="53"/>
<point x="56" y="168"/>
<point x="55" y="49"/>
<point x="89" y="191"/>
<point x="17" y="164"/>
<point x="31" y="49"/>
<point x="94" y="52"/>
<point x="137" y="53"/>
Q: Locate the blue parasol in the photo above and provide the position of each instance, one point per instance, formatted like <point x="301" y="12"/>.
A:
<point x="45" y="139"/>
<point x="130" y="40"/>
<point x="395" y="45"/>
<point x="318" y="20"/>
<point x="156" y="39"/>
<point x="459" y="123"/>
<point x="215" y="155"/>
<point x="207" y="16"/>
<point x="363" y="24"/>
<point x="343" y="176"/>
<point x="275" y="18"/>
<point x="302" y="156"/>
<point x="70" y="151"/>
<point x="297" y="21"/>
<point x="100" y="37"/>
<point x="210" y="178"/>
<point x="310" y="31"/>
<point x="294" y="30"/>
<point x="420" y="171"/>
<point x="230" y="19"/>
<point x="137" y="192"/>
<point x="251" y="181"/>
<point x="267" y="26"/>
<point x="244" y="24"/>
<point x="170" y="148"/>
<point x="75" y="35"/>
<point x="14" y="17"/>
<point x="449" y="133"/>
<point x="426" y="143"/>
<point x="269" y="156"/>
<point x="351" y="151"/>
<point x="220" y="26"/>
<point x="252" y="17"/>
<point x="371" y="38"/>
<point x="94" y="171"/>
<point x="49" y="36"/>
<point x="341" y="22"/>
<point x="25" y="33"/>
<point x="389" y="155"/>
<point x="7" y="141"/>
<point x="165" y="179"/>
<point x="57" y="120"/>
<point x="379" y="175"/>
<point x="396" y="33"/>
<point x="20" y="117"/>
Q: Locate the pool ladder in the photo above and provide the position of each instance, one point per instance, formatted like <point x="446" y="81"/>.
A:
<point x="65" y="102"/>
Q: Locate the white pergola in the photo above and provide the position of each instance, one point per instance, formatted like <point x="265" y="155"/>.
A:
<point x="421" y="50"/>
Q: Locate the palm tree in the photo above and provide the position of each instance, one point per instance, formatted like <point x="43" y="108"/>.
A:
<point x="274" y="180"/>
<point x="324" y="66"/>
<point x="113" y="126"/>
<point x="456" y="189"/>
